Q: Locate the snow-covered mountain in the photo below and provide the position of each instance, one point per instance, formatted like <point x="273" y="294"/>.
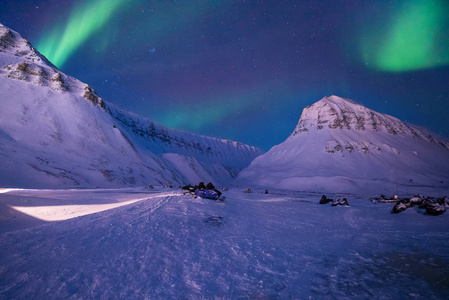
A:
<point x="341" y="146"/>
<point x="56" y="131"/>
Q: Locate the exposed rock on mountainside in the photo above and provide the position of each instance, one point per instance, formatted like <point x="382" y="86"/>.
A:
<point x="56" y="131"/>
<point x="339" y="145"/>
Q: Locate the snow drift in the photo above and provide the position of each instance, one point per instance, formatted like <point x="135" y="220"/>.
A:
<point x="341" y="146"/>
<point x="56" y="131"/>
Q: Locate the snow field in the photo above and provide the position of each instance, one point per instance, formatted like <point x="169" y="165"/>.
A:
<point x="280" y="245"/>
<point x="68" y="208"/>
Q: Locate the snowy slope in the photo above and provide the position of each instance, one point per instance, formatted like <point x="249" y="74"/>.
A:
<point x="55" y="131"/>
<point x="339" y="145"/>
<point x="252" y="246"/>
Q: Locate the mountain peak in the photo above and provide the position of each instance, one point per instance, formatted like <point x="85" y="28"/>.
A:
<point x="337" y="100"/>
<point x="334" y="112"/>
<point x="341" y="146"/>
<point x="13" y="43"/>
<point x="19" y="60"/>
<point x="51" y="136"/>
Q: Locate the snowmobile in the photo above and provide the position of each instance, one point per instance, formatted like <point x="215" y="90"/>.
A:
<point x="401" y="205"/>
<point x="190" y="189"/>
<point x="436" y="208"/>
<point x="204" y="191"/>
<point x="343" y="202"/>
<point x="325" y="200"/>
<point x="208" y="194"/>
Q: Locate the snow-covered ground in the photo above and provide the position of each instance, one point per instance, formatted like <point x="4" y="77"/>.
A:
<point x="277" y="246"/>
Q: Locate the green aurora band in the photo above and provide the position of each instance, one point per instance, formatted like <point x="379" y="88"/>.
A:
<point x="212" y="110"/>
<point x="62" y="41"/>
<point x="415" y="39"/>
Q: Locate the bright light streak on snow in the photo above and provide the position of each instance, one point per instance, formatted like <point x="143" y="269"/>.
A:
<point x="415" y="39"/>
<point x="5" y="190"/>
<point x="62" y="41"/>
<point x="274" y="200"/>
<point x="65" y="212"/>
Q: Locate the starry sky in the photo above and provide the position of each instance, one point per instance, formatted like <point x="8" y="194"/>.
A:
<point x="244" y="70"/>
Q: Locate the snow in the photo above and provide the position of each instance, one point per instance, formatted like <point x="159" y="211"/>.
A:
<point x="190" y="168"/>
<point x="68" y="210"/>
<point x="340" y="146"/>
<point x="56" y="132"/>
<point x="280" y="245"/>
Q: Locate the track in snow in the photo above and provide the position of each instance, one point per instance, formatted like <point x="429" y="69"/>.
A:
<point x="253" y="245"/>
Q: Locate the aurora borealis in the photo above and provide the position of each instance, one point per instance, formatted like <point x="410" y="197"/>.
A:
<point x="414" y="38"/>
<point x="244" y="70"/>
<point x="61" y="42"/>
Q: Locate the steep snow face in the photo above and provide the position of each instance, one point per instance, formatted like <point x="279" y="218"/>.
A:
<point x="161" y="140"/>
<point x="56" y="131"/>
<point x="341" y="146"/>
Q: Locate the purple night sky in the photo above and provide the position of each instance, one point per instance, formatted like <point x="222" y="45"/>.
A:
<point x="244" y="70"/>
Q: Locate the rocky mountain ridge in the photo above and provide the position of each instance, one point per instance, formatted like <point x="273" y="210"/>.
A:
<point x="334" y="112"/>
<point x="56" y="131"/>
<point x="339" y="145"/>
